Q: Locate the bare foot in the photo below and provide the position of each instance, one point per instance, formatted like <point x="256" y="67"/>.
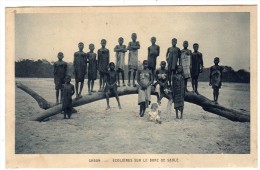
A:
<point x="119" y="107"/>
<point x="108" y="108"/>
<point x="134" y="84"/>
<point x="89" y="93"/>
<point x="123" y="84"/>
<point x="118" y="85"/>
<point x="129" y="84"/>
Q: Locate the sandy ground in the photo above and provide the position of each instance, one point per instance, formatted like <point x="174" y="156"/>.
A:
<point x="94" y="130"/>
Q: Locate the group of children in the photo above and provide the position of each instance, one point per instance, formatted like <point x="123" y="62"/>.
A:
<point x="171" y="80"/>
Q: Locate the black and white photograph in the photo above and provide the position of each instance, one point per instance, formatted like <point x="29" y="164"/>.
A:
<point x="133" y="81"/>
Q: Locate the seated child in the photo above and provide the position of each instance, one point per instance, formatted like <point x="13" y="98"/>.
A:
<point x="68" y="91"/>
<point x="111" y="85"/>
<point x="154" y="113"/>
<point x="215" y="79"/>
<point x="178" y="91"/>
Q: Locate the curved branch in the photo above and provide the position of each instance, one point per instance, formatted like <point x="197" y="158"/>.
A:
<point x="200" y="100"/>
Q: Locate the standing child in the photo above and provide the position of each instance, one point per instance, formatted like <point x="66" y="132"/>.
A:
<point x="120" y="59"/>
<point x="111" y="86"/>
<point x="178" y="91"/>
<point x="133" y="48"/>
<point x="60" y="70"/>
<point x="153" y="53"/>
<point x="80" y="68"/>
<point x="172" y="56"/>
<point x="185" y="61"/>
<point x="92" y="68"/>
<point x="144" y="79"/>
<point x="196" y="67"/>
<point x="68" y="91"/>
<point x="215" y="79"/>
<point x="103" y="61"/>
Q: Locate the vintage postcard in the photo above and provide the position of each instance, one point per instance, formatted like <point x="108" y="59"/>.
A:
<point x="139" y="86"/>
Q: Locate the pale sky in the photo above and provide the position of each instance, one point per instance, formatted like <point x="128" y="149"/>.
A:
<point x="225" y="35"/>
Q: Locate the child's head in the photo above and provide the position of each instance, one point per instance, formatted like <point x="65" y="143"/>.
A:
<point x="174" y="41"/>
<point x="179" y="69"/>
<point x="153" y="40"/>
<point x="134" y="36"/>
<point x="91" y="47"/>
<point x="112" y="66"/>
<point x="81" y="45"/>
<point x="120" y="40"/>
<point x="67" y="79"/>
<point x="216" y="60"/>
<point x="145" y="64"/>
<point x="154" y="107"/>
<point x="103" y="43"/>
<point x="185" y="44"/>
<point x="163" y="64"/>
<point x="60" y="56"/>
<point x="195" y="46"/>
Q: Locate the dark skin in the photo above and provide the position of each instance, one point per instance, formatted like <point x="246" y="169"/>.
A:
<point x="121" y="49"/>
<point x="132" y="47"/>
<point x="153" y="41"/>
<point x="110" y="83"/>
<point x="179" y="71"/>
<point x="174" y="42"/>
<point x="91" y="82"/>
<point x="144" y="105"/>
<point x="216" y="89"/>
<point x="185" y="46"/>
<point x="78" y="94"/>
<point x="102" y="78"/>
<point x="162" y="84"/>
<point x="67" y="81"/>
<point x="194" y="81"/>
<point x="60" y="57"/>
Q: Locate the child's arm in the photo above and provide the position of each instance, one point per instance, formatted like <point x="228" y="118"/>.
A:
<point x="74" y="63"/>
<point x="138" y="79"/>
<point x="136" y="47"/>
<point x="124" y="50"/>
<point x="116" y="49"/>
<point x="179" y="56"/>
<point x="210" y="76"/>
<point x="108" y="54"/>
<point x="73" y="90"/>
<point x="167" y="55"/>
<point x="201" y="62"/>
<point x="158" y="51"/>
<point x="98" y="60"/>
<point x="65" y="68"/>
<point x="129" y="47"/>
<point x="148" y="51"/>
<point x="151" y="80"/>
<point x="55" y="68"/>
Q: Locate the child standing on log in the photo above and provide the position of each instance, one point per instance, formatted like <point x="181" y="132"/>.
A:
<point x="68" y="91"/>
<point x="185" y="61"/>
<point x="60" y="70"/>
<point x="120" y="59"/>
<point x="111" y="86"/>
<point x="196" y="67"/>
<point x="92" y="68"/>
<point x="103" y="61"/>
<point x="80" y="68"/>
<point x="144" y="79"/>
<point x="215" y="78"/>
<point x="178" y="91"/>
<point x="153" y="53"/>
<point x="133" y="48"/>
<point x="172" y="57"/>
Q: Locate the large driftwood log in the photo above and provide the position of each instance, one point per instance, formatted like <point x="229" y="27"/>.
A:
<point x="200" y="100"/>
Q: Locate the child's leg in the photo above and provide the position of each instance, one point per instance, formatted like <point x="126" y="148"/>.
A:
<point x="196" y="85"/>
<point x="214" y="94"/>
<point x="129" y="77"/>
<point x="123" y="77"/>
<point x="118" y="81"/>
<point x="142" y="109"/>
<point x="117" y="98"/>
<point x="217" y="93"/>
<point x="89" y="86"/>
<point x="186" y="82"/>
<point x="57" y="96"/>
<point x="104" y="80"/>
<point x="61" y="95"/>
<point x="170" y="77"/>
<point x="177" y="116"/>
<point x="107" y="98"/>
<point x="81" y="87"/>
<point x="193" y="83"/>
<point x="182" y="111"/>
<point x="134" y="74"/>
<point x="77" y="89"/>
<point x="92" y="85"/>
<point x="100" y="81"/>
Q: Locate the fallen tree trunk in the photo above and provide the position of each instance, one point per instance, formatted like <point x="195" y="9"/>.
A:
<point x="200" y="100"/>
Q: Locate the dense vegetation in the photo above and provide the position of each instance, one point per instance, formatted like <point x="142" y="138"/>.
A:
<point x="44" y="69"/>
